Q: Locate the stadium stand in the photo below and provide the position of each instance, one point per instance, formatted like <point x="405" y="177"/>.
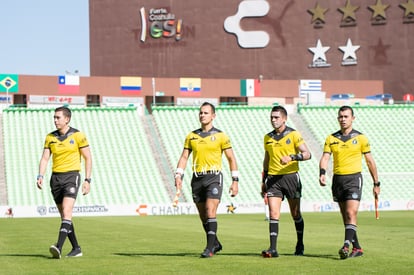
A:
<point x="246" y="127"/>
<point x="123" y="171"/>
<point x="128" y="170"/>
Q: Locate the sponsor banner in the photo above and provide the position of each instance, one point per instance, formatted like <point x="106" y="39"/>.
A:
<point x="142" y="210"/>
<point x="57" y="100"/>
<point x="196" y="101"/>
<point x="122" y="101"/>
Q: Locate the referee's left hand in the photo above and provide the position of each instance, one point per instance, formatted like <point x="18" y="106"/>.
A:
<point x="86" y="187"/>
<point x="234" y="189"/>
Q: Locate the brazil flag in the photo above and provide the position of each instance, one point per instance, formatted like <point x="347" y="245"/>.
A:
<point x="9" y="83"/>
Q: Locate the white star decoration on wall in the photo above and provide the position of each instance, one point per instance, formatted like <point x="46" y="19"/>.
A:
<point x="349" y="50"/>
<point x="319" y="58"/>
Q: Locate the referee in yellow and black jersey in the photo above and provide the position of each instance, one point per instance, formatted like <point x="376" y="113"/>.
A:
<point x="66" y="145"/>
<point x="284" y="148"/>
<point x="347" y="146"/>
<point x="207" y="145"/>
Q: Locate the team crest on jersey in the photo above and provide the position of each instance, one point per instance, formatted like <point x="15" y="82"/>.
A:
<point x="288" y="141"/>
<point x="71" y="141"/>
<point x="213" y="138"/>
<point x="354" y="141"/>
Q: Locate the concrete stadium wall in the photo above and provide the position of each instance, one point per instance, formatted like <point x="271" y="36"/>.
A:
<point x="206" y="50"/>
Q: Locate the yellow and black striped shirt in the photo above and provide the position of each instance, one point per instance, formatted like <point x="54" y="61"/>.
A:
<point x="207" y="149"/>
<point x="347" y="151"/>
<point x="65" y="150"/>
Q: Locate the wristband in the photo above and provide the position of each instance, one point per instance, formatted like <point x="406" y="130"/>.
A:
<point x="322" y="171"/>
<point x="235" y="174"/>
<point x="235" y="179"/>
<point x="377" y="184"/>
<point x="88" y="180"/>
<point x="39" y="177"/>
<point x="298" y="157"/>
<point x="179" y="171"/>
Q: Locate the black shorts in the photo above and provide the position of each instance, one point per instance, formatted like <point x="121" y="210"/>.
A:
<point x="347" y="187"/>
<point x="282" y="186"/>
<point x="64" y="185"/>
<point x="207" y="186"/>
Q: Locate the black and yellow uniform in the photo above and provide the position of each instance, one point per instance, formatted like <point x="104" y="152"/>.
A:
<point x="207" y="149"/>
<point x="65" y="150"/>
<point x="283" y="179"/>
<point x="279" y="145"/>
<point x="347" y="153"/>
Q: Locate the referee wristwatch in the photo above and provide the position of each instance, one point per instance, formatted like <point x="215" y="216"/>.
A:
<point x="377" y="184"/>
<point x="88" y="180"/>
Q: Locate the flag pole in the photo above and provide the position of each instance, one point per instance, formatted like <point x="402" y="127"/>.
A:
<point x="7" y="95"/>
<point x="153" y="91"/>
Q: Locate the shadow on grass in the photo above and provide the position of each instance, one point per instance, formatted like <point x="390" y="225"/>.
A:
<point x="138" y="254"/>
<point x="184" y="254"/>
<point x="26" y="255"/>
<point x="322" y="256"/>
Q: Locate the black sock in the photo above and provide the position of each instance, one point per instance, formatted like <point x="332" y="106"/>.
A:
<point x="211" y="233"/>
<point x="350" y="230"/>
<point x="63" y="232"/>
<point x="355" y="242"/>
<point x="216" y="242"/>
<point x="273" y="232"/>
<point x="299" y="225"/>
<point x="72" y="237"/>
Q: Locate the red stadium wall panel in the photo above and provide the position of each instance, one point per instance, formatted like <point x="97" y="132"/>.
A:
<point x="255" y="39"/>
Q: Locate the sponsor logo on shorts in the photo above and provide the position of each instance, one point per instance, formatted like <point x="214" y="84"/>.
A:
<point x="215" y="191"/>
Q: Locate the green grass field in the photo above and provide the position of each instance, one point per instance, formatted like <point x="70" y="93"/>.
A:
<point x="172" y="245"/>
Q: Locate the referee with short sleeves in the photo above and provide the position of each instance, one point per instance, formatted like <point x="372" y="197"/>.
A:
<point x="66" y="145"/>
<point x="347" y="146"/>
<point x="207" y="145"/>
<point x="284" y="148"/>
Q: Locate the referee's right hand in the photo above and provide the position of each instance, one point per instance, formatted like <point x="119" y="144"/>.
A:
<point x="322" y="180"/>
<point x="39" y="182"/>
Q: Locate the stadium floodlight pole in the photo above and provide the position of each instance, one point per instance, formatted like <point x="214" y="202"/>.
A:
<point x="153" y="91"/>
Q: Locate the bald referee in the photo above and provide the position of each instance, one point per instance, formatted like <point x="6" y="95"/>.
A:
<point x="66" y="145"/>
<point x="347" y="146"/>
<point x="207" y="145"/>
<point x="284" y="148"/>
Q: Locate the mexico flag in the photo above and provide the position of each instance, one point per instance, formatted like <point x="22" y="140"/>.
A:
<point x="249" y="87"/>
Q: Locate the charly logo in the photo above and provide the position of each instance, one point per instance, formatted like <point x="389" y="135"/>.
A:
<point x="248" y="39"/>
